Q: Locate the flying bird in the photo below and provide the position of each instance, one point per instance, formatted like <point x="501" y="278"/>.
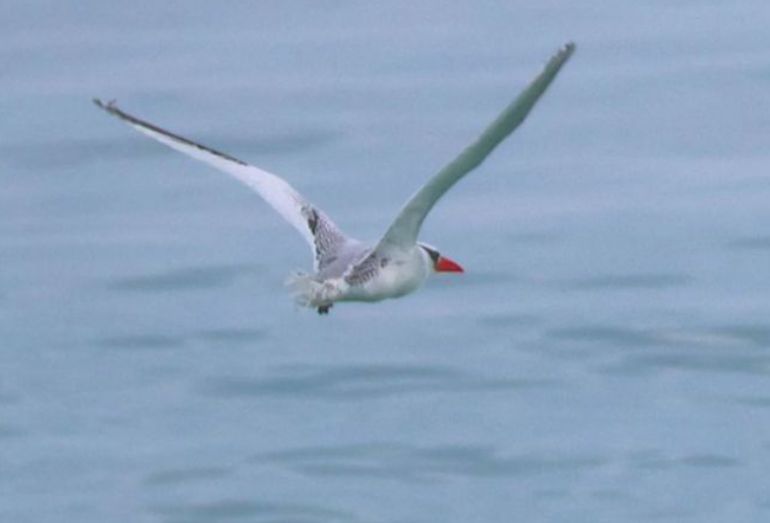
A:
<point x="345" y="269"/>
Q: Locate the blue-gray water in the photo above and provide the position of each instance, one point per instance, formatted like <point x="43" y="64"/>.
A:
<point x="605" y="357"/>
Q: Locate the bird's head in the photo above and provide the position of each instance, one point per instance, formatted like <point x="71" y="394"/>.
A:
<point x="440" y="263"/>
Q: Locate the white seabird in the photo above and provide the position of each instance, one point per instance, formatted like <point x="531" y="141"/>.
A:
<point x="346" y="269"/>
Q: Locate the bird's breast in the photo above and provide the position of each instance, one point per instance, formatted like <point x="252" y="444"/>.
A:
<point x="396" y="275"/>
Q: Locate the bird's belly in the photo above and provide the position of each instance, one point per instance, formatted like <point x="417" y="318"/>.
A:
<point x="391" y="282"/>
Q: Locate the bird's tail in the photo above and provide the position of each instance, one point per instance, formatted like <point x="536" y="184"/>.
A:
<point x="309" y="292"/>
<point x="304" y="289"/>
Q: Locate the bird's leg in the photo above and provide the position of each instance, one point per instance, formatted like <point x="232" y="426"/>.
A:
<point x="324" y="309"/>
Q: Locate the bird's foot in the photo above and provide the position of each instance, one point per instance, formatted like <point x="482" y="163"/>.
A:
<point x="324" y="309"/>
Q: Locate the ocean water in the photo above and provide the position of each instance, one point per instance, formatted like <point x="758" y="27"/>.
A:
<point x="606" y="356"/>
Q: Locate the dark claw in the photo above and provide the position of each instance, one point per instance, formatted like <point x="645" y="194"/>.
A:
<point x="324" y="309"/>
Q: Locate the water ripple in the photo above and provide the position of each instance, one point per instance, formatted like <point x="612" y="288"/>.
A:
<point x="139" y="342"/>
<point x="185" y="475"/>
<point x="8" y="432"/>
<point x="629" y="281"/>
<point x="605" y="335"/>
<point x="265" y="512"/>
<point x="190" y="278"/>
<point x="709" y="362"/>
<point x="751" y="243"/>
<point x="534" y="238"/>
<point x="509" y="320"/>
<point x="757" y="401"/>
<point x="224" y="336"/>
<point x="747" y="335"/>
<point x="485" y="278"/>
<point x="7" y="398"/>
<point x="753" y="334"/>
<point x="356" y="382"/>
<point x="655" y="460"/>
<point x="409" y="463"/>
<point x="232" y="335"/>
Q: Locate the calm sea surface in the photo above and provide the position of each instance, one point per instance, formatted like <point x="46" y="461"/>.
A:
<point x="605" y="358"/>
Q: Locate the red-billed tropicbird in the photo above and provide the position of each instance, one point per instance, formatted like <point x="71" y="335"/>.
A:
<point x="346" y="269"/>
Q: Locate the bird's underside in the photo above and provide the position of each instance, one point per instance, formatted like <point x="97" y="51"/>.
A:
<point x="344" y="269"/>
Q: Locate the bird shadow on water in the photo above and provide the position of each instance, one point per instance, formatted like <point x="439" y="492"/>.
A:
<point x="356" y="382"/>
<point x="420" y="464"/>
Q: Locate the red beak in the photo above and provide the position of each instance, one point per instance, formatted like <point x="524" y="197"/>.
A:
<point x="447" y="265"/>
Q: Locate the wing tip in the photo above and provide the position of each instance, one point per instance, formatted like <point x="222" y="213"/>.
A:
<point x="560" y="57"/>
<point x="109" y="106"/>
<point x="565" y="51"/>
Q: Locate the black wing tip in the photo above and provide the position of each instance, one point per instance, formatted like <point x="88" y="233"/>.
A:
<point x="99" y="103"/>
<point x="561" y="57"/>
<point x="109" y="106"/>
<point x="113" y="109"/>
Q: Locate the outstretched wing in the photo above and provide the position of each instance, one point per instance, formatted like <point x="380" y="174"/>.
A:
<point x="404" y="230"/>
<point x="319" y="231"/>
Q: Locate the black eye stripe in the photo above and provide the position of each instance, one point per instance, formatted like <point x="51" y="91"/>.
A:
<point x="434" y="255"/>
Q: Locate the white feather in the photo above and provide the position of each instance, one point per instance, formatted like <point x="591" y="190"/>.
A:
<point x="274" y="190"/>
